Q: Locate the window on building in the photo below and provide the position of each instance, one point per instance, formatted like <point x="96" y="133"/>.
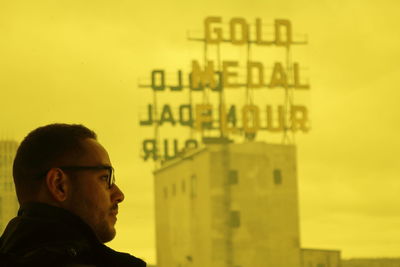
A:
<point x="235" y="219"/>
<point x="233" y="177"/>
<point x="277" y="176"/>
<point x="165" y="192"/>
<point x="193" y="186"/>
<point x="189" y="258"/>
<point x="173" y="189"/>
<point x="183" y="186"/>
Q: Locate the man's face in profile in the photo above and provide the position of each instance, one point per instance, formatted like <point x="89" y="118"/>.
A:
<point x="91" y="197"/>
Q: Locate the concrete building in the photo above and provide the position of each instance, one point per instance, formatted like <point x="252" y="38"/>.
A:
<point x="371" y="262"/>
<point x="320" y="258"/>
<point x="229" y="205"/>
<point x="8" y="200"/>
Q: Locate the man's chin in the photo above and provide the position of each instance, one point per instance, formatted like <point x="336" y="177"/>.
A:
<point x="107" y="236"/>
<point x="107" y="239"/>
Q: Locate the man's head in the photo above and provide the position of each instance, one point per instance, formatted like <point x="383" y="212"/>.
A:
<point x="64" y="165"/>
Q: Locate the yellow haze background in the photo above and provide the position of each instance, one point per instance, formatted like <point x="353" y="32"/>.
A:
<point x="80" y="62"/>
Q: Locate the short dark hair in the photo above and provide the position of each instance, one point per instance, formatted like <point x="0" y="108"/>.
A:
<point x="44" y="148"/>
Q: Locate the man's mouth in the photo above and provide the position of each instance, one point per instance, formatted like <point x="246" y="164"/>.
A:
<point x="113" y="215"/>
<point x="114" y="210"/>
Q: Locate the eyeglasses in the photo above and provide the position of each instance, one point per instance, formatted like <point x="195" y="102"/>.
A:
<point x="110" y="177"/>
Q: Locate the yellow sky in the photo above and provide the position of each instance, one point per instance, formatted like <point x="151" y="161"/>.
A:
<point x="80" y="62"/>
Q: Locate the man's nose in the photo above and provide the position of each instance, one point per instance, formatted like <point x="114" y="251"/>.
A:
<point x="117" y="195"/>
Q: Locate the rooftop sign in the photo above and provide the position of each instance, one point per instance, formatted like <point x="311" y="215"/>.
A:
<point x="219" y="76"/>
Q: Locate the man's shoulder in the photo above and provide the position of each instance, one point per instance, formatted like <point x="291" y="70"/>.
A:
<point x="64" y="253"/>
<point x="47" y="235"/>
<point x="68" y="256"/>
<point x="111" y="257"/>
<point x="34" y="242"/>
<point x="55" y="255"/>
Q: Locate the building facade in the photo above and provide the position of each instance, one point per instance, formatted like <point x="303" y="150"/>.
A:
<point x="229" y="205"/>
<point x="8" y="200"/>
<point x="371" y="262"/>
<point x="320" y="258"/>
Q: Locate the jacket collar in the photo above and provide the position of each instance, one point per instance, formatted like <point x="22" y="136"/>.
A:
<point x="39" y="223"/>
<point x="53" y="214"/>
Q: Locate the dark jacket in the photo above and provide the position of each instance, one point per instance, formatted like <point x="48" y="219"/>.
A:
<point x="43" y="235"/>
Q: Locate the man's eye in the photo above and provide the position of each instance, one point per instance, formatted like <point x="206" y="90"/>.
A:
<point x="104" y="177"/>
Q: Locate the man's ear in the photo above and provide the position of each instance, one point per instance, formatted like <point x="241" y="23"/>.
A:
<point x="58" y="184"/>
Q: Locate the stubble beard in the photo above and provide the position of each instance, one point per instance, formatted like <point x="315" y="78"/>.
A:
<point x="105" y="232"/>
<point x="100" y="223"/>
